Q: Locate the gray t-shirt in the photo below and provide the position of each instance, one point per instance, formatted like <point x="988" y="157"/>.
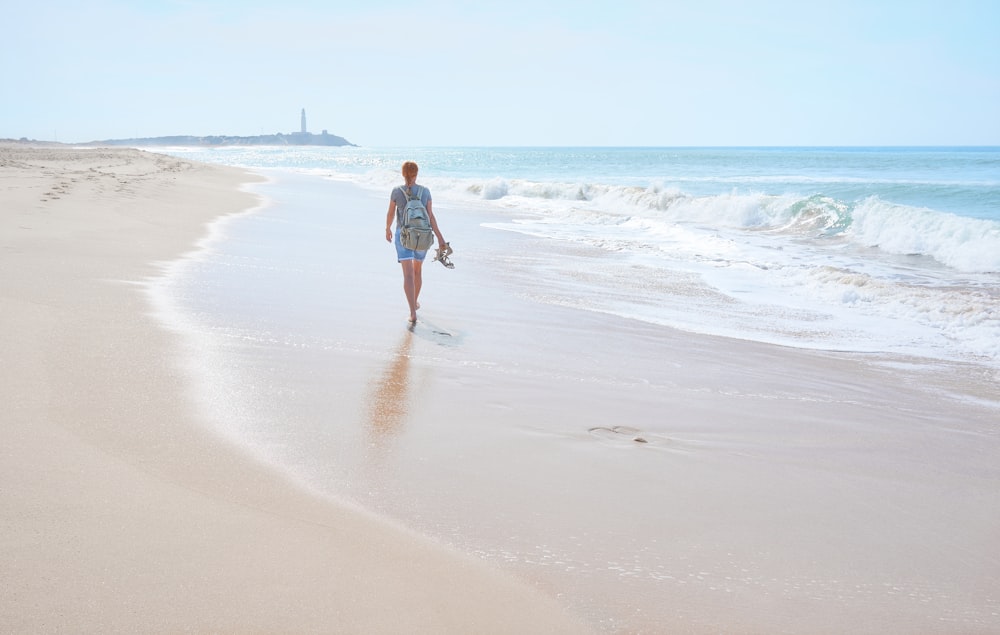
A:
<point x="400" y="199"/>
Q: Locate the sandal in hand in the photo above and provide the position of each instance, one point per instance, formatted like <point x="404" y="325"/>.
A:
<point x="442" y="255"/>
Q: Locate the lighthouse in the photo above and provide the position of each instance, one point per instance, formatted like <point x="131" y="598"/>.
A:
<point x="303" y="121"/>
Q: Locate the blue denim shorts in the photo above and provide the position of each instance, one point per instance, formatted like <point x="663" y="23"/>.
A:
<point x="402" y="253"/>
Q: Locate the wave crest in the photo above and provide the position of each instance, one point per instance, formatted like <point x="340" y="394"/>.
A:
<point x="966" y="244"/>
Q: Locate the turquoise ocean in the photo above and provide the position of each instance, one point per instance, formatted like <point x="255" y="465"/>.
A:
<point x="871" y="250"/>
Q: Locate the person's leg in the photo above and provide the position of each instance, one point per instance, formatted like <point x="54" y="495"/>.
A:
<point x="418" y="280"/>
<point x="409" y="287"/>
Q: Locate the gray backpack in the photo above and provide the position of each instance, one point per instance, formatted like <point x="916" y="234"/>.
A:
<point x="415" y="225"/>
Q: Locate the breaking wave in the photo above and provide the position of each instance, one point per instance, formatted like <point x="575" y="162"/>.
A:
<point x="966" y="244"/>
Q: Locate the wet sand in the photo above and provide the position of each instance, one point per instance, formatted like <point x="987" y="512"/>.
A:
<point x="652" y="481"/>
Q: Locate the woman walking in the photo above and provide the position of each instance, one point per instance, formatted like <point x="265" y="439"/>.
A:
<point x="411" y="260"/>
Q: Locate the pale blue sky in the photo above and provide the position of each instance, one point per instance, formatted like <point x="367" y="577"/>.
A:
<point x="541" y="72"/>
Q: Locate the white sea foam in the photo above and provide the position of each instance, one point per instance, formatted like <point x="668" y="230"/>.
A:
<point x="966" y="244"/>
<point x="798" y="265"/>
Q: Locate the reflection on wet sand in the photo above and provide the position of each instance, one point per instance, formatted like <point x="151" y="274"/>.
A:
<point x="389" y="399"/>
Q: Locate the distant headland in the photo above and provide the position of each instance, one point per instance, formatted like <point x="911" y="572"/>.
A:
<point x="279" y="139"/>
<point x="301" y="138"/>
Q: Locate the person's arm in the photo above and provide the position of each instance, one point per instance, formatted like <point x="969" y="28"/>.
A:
<point x="434" y="224"/>
<point x="390" y="216"/>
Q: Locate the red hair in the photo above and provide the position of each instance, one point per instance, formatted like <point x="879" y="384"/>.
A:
<point x="410" y="171"/>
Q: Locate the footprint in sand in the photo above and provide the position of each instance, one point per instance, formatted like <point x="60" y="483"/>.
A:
<point x="619" y="433"/>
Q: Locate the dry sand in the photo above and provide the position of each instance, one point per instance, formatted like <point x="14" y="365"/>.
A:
<point x="119" y="513"/>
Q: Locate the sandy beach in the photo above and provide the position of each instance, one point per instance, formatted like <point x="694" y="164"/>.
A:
<point x="305" y="463"/>
<point x="119" y="511"/>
